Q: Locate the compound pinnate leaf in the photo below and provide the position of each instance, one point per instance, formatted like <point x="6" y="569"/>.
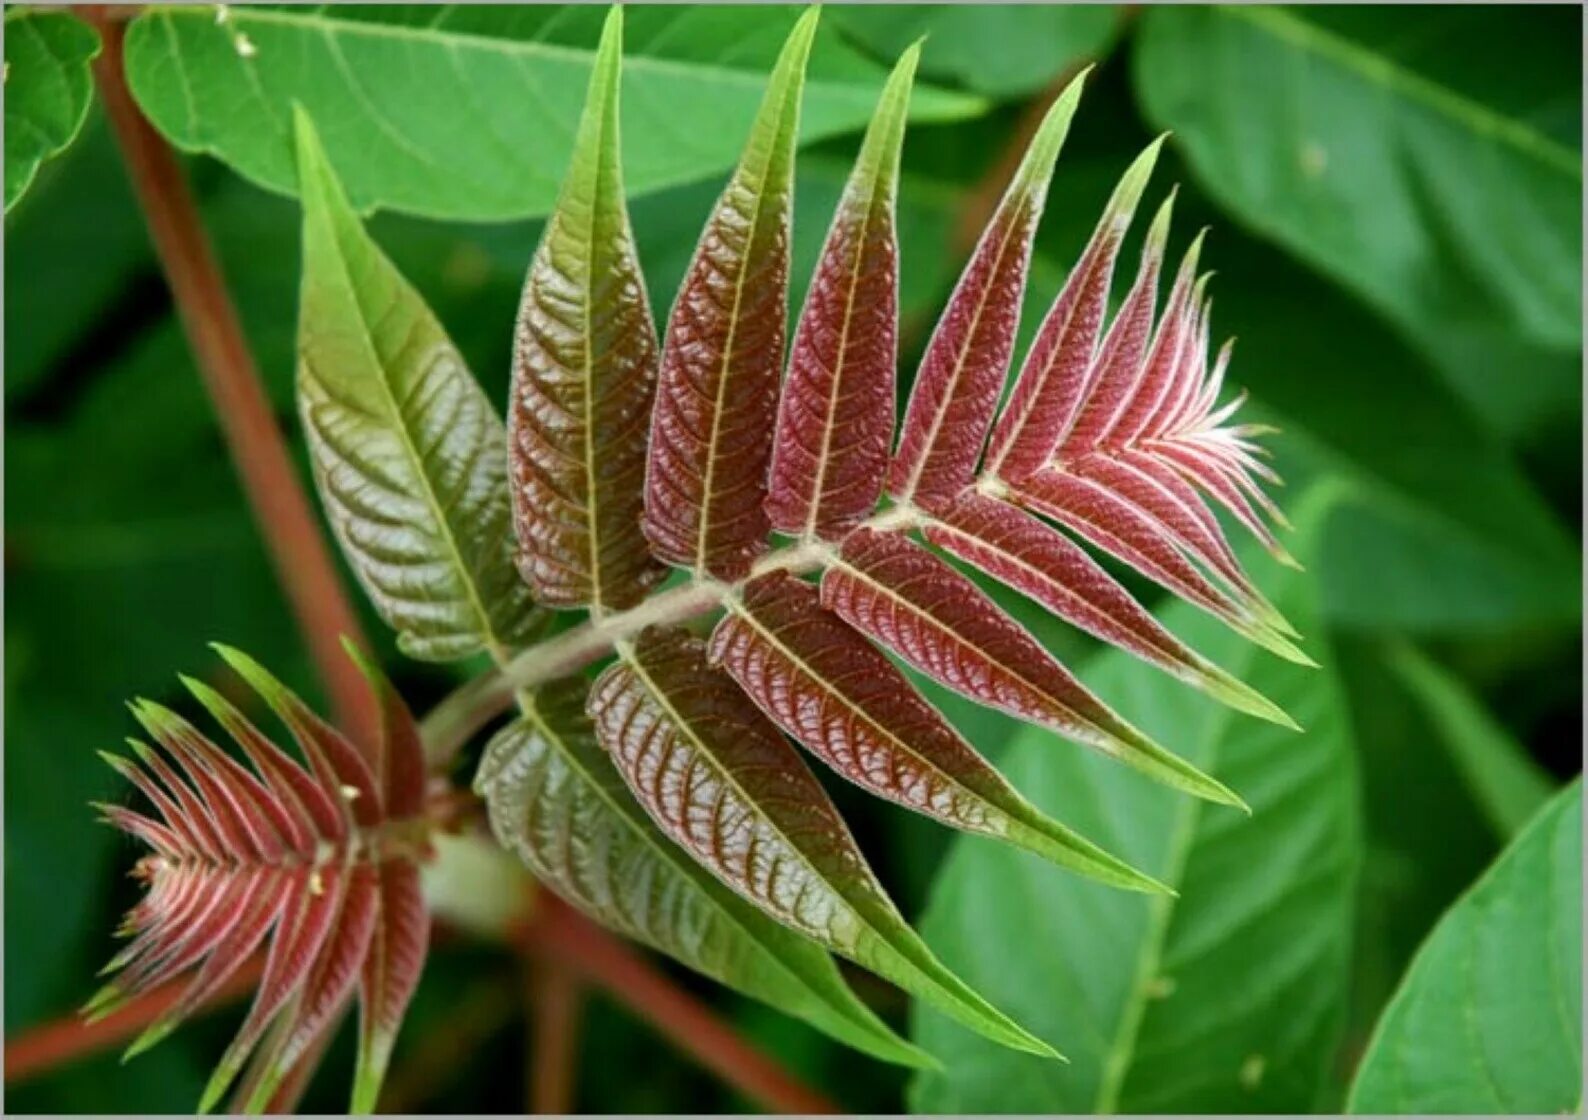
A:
<point x="967" y="357"/>
<point x="1230" y="998"/>
<point x="719" y="779"/>
<point x="1017" y="549"/>
<point x="887" y="586"/>
<point x="723" y="355"/>
<point x="312" y="861"/>
<point x="835" y="417"/>
<point x="1489" y="1015"/>
<point x="47" y="90"/>
<point x="584" y="375"/>
<point x="409" y="457"/>
<point x="840" y="696"/>
<point x="556" y="801"/>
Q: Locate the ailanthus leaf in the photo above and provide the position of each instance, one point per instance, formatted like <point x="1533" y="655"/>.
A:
<point x="1048" y="391"/>
<point x="719" y="779"/>
<point x="390" y="974"/>
<point x="833" y="691"/>
<point x="584" y="374"/>
<point x="721" y="361"/>
<point x="936" y="619"/>
<point x="556" y="801"/>
<point x="311" y="862"/>
<point x="963" y="369"/>
<point x="1017" y="549"/>
<point x="409" y="457"/>
<point x="835" y="416"/>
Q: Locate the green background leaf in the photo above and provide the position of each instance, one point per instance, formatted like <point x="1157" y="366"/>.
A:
<point x="1356" y="144"/>
<point x="1228" y="998"/>
<point x="1489" y="1018"/>
<point x="691" y="84"/>
<point x="47" y="90"/>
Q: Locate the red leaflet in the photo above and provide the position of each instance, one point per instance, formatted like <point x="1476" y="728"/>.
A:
<point x="845" y="701"/>
<point x="1052" y="382"/>
<point x="835" y="422"/>
<point x="962" y="371"/>
<point x="390" y="974"/>
<point x="940" y="622"/>
<point x="717" y="394"/>
<point x="244" y="857"/>
<point x="1015" y="548"/>
<point x="584" y="373"/>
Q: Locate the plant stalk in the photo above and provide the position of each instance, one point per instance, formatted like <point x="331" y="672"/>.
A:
<point x="286" y="520"/>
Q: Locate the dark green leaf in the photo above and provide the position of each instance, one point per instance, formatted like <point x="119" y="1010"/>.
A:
<point x="1229" y="998"/>
<point x="1368" y="157"/>
<point x="47" y="90"/>
<point x="691" y="85"/>
<point x="1002" y="50"/>
<point x="1489" y="1017"/>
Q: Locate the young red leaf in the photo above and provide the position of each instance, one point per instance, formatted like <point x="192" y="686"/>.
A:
<point x="316" y="866"/>
<point x="584" y="374"/>
<point x="962" y="372"/>
<point x="1016" y="549"/>
<point x="706" y="479"/>
<point x="1051" y="383"/>
<point x="557" y="801"/>
<point x="836" y="693"/>
<point x="719" y="779"/>
<point x="835" y="419"/>
<point x="936" y="619"/>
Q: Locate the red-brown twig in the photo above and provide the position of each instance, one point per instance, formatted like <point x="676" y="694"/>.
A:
<point x="66" y="1039"/>
<point x="556" y="1005"/>
<point x="286" y="520"/>
<point x="562" y="934"/>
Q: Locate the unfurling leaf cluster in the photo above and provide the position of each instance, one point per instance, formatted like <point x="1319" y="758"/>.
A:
<point x="666" y="799"/>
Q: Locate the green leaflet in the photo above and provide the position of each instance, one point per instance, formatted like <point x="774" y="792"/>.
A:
<point x="691" y="86"/>
<point x="47" y="90"/>
<point x="1002" y="50"/>
<point x="1452" y="213"/>
<point x="409" y="456"/>
<point x="1499" y="773"/>
<point x="1229" y="998"/>
<point x="584" y="376"/>
<point x="556" y="801"/>
<point x="1489" y="1016"/>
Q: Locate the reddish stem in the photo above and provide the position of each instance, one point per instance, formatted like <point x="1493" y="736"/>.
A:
<point x="561" y="934"/>
<point x="286" y="521"/>
<point x="556" y="1004"/>
<point x="66" y="1039"/>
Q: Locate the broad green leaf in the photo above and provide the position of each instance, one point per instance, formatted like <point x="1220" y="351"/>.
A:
<point x="1489" y="1017"/>
<point x="1456" y="217"/>
<point x="584" y="377"/>
<point x="47" y="90"/>
<point x="1500" y="774"/>
<point x="719" y="778"/>
<point x="1230" y="997"/>
<point x="1001" y="50"/>
<point x="502" y="93"/>
<point x="410" y="458"/>
<point x="557" y="802"/>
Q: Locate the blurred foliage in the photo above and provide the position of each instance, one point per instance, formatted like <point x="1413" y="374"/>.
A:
<point x="1403" y="283"/>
